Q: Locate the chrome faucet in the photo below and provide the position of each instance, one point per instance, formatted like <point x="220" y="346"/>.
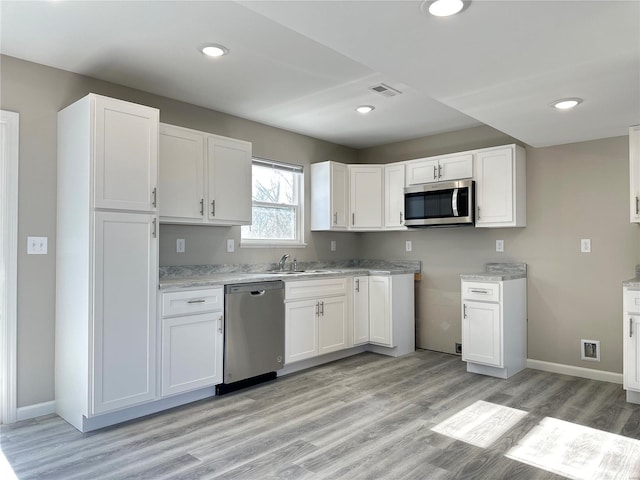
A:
<point x="282" y="260"/>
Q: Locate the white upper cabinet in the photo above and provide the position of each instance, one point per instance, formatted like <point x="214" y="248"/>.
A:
<point x="181" y="173"/>
<point x="205" y="179"/>
<point x="126" y="155"/>
<point x="438" y="169"/>
<point x="634" y="172"/>
<point x="394" y="196"/>
<point x="329" y="196"/>
<point x="501" y="187"/>
<point x="229" y="181"/>
<point x="366" y="194"/>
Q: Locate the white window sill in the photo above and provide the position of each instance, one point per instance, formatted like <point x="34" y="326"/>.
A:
<point x="270" y="244"/>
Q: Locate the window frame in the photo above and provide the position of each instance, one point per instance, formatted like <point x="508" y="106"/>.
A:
<point x="298" y="208"/>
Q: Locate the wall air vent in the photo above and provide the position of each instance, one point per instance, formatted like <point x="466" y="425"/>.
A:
<point x="385" y="90"/>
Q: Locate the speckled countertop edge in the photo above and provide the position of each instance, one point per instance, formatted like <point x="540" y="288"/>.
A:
<point x="498" y="272"/>
<point x="197" y="276"/>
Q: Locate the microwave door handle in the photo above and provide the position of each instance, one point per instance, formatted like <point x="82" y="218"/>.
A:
<point x="454" y="202"/>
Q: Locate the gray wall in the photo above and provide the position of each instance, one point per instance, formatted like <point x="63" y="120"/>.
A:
<point x="573" y="191"/>
<point x="38" y="93"/>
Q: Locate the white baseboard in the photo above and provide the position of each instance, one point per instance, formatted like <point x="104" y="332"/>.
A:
<point x="37" y="410"/>
<point x="575" y="371"/>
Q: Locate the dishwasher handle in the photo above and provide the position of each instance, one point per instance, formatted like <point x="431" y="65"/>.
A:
<point x="257" y="293"/>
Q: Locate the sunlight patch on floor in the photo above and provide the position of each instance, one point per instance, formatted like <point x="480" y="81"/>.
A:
<point x="6" y="472"/>
<point x="579" y="452"/>
<point x="480" y="424"/>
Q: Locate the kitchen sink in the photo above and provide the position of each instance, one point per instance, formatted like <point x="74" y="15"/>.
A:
<point x="299" y="272"/>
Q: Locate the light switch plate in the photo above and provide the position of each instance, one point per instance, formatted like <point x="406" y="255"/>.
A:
<point x="37" y="245"/>
<point x="180" y="245"/>
<point x="585" y="245"/>
<point x="333" y="245"/>
<point x="408" y="245"/>
<point x="499" y="245"/>
<point x="231" y="247"/>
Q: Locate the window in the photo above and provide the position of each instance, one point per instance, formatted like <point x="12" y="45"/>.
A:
<point x="277" y="213"/>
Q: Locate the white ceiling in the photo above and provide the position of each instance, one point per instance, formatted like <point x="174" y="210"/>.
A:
<point x="305" y="65"/>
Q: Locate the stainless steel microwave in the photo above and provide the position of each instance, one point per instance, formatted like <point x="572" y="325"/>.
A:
<point x="440" y="204"/>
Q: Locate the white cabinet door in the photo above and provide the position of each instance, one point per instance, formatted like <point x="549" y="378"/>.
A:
<point x="422" y="170"/>
<point x="394" y="196"/>
<point x="191" y="352"/>
<point x="500" y="187"/>
<point x="380" y="331"/>
<point x="631" y="367"/>
<point x="181" y="174"/>
<point x="481" y="333"/>
<point x="301" y="331"/>
<point x="126" y="155"/>
<point x="228" y="181"/>
<point x="366" y="197"/>
<point x="455" y="167"/>
<point x="329" y="196"/>
<point x="332" y="325"/>
<point x="634" y="172"/>
<point x="360" y="310"/>
<point x="124" y="325"/>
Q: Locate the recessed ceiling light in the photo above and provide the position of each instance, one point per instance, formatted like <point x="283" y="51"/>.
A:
<point x="445" y="8"/>
<point x="365" y="108"/>
<point x="566" y="103"/>
<point x="214" y="50"/>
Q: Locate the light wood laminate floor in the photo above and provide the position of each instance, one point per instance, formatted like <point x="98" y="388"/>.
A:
<point x="364" y="417"/>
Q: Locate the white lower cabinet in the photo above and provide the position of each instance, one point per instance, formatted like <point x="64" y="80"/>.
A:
<point x="191" y="340"/>
<point x="494" y="327"/>
<point x="360" y="310"/>
<point x="316" y="318"/>
<point x="380" y="320"/>
<point x="631" y="344"/>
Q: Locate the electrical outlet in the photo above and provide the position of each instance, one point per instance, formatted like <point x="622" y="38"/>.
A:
<point x="590" y="350"/>
<point x="585" y="245"/>
<point x="408" y="246"/>
<point x="231" y="247"/>
<point x="458" y="348"/>
<point x="37" y="245"/>
<point x="333" y="245"/>
<point x="499" y="245"/>
<point x="180" y="245"/>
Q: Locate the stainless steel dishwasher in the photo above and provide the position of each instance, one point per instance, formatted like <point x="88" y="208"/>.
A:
<point x="254" y="334"/>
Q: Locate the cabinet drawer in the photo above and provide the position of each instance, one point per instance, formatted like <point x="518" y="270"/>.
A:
<point x="298" y="290"/>
<point x="631" y="300"/>
<point x="481" y="291"/>
<point x="192" y="301"/>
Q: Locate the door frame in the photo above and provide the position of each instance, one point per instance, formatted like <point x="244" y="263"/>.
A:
<point x="9" y="144"/>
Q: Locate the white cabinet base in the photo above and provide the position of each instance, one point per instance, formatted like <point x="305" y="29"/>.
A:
<point x="506" y="372"/>
<point x="633" y="397"/>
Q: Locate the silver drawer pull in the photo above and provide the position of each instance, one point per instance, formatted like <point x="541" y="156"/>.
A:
<point x="196" y="301"/>
<point x="479" y="291"/>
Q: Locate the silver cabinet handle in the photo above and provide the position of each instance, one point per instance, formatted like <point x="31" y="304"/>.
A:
<point x="478" y="212"/>
<point x="322" y="308"/>
<point x="637" y="205"/>
<point x="464" y="310"/>
<point x="202" y="206"/>
<point x="220" y="324"/>
<point x="439" y="171"/>
<point x="200" y="300"/>
<point x="353" y="219"/>
<point x="357" y="284"/>
<point x="435" y="177"/>
<point x="630" y="327"/>
<point x="479" y="291"/>
<point x="154" y="232"/>
<point x="213" y="208"/>
<point x="155" y="197"/>
<point x="335" y="218"/>
<point x="317" y="309"/>
<point x="401" y="217"/>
